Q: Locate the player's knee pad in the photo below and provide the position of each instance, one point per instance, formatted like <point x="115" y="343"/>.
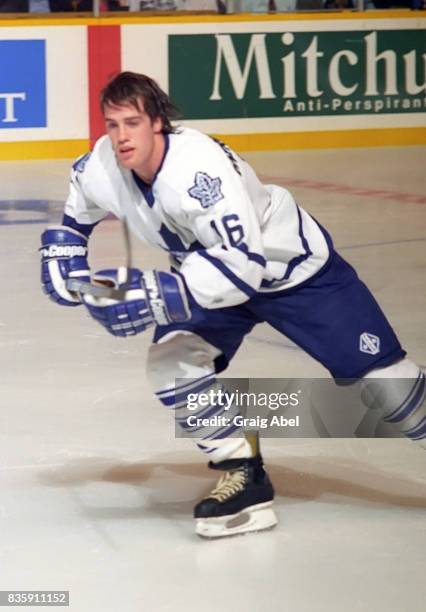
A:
<point x="179" y="355"/>
<point x="398" y="391"/>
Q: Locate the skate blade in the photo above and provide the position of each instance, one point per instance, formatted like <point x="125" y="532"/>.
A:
<point x="252" y="519"/>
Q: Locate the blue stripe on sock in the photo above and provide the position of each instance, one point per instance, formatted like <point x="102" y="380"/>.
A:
<point x="205" y="449"/>
<point x="418" y="432"/>
<point x="194" y="381"/>
<point x="173" y="400"/>
<point x="410" y="404"/>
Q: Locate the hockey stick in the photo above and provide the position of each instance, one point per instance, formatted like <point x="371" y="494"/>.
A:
<point x="100" y="290"/>
<point x="78" y="286"/>
<point x="127" y="246"/>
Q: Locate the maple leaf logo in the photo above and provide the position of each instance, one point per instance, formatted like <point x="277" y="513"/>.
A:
<point x="206" y="189"/>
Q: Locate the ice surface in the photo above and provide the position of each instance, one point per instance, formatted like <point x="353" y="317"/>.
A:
<point x="96" y="492"/>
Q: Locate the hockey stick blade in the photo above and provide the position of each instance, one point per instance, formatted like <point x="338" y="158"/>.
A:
<point x="83" y="287"/>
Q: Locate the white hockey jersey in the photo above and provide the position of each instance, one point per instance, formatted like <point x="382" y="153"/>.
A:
<point x="229" y="235"/>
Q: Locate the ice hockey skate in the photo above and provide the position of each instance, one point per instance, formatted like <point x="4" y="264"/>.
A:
<point x="240" y="503"/>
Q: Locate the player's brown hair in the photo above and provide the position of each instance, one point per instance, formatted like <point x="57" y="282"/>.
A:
<point x="130" y="87"/>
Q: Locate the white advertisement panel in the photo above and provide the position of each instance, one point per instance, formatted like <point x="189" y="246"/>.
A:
<point x="43" y="83"/>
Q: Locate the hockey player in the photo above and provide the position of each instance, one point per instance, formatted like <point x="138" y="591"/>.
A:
<point x="242" y="253"/>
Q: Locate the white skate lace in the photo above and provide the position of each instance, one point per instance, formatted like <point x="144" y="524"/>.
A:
<point x="228" y="484"/>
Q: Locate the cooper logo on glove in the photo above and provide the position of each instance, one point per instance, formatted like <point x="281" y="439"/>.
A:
<point x="56" y="250"/>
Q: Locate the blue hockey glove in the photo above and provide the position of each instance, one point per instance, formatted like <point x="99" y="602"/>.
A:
<point x="149" y="298"/>
<point x="63" y="256"/>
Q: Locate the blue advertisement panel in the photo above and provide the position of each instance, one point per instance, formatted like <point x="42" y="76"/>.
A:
<point x="22" y="84"/>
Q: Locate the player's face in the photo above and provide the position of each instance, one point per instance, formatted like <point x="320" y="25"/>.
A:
<point x="137" y="140"/>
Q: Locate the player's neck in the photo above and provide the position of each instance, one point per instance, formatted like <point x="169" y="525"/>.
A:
<point x="148" y="171"/>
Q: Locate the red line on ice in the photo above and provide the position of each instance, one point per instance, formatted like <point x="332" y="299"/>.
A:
<point x="334" y="187"/>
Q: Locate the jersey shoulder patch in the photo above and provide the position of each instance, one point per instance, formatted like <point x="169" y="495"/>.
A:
<point x="81" y="162"/>
<point x="206" y="189"/>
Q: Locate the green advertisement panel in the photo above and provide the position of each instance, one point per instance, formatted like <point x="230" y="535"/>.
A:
<point x="296" y="74"/>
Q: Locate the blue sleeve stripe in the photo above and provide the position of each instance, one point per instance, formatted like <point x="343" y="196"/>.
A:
<point x="293" y="263"/>
<point x="296" y="261"/>
<point x="241" y="285"/>
<point x="84" y="228"/>
<point x="250" y="255"/>
<point x="257" y="258"/>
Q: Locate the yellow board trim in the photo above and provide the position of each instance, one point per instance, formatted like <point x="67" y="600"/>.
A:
<point x="81" y="19"/>
<point x="44" y="149"/>
<point x="331" y="139"/>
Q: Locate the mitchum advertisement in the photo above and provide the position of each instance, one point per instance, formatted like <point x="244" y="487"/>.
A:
<point x="295" y="74"/>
